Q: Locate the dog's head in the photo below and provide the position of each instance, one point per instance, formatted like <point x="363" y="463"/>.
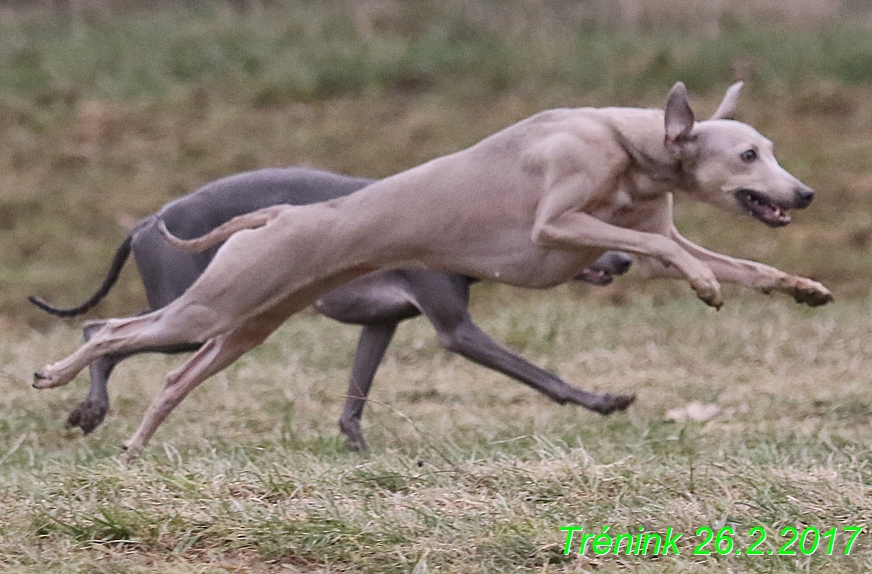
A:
<point x="729" y="163"/>
<point x="608" y="266"/>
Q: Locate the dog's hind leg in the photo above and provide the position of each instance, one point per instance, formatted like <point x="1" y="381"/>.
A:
<point x="175" y="325"/>
<point x="214" y="356"/>
<point x="374" y="341"/>
<point x="446" y="308"/>
<point x="89" y="414"/>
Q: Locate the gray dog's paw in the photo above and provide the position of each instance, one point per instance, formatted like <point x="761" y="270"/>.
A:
<point x="354" y="435"/>
<point x="87" y="416"/>
<point x="609" y="403"/>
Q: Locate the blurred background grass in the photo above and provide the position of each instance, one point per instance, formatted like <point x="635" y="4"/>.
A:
<point x="109" y="109"/>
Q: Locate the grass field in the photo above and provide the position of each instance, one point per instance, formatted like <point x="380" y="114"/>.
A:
<point x="469" y="472"/>
<point x="108" y="110"/>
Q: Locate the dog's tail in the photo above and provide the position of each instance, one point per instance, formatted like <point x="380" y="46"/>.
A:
<point x="121" y="255"/>
<point x="221" y="233"/>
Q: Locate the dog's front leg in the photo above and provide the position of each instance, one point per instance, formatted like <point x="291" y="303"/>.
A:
<point x="574" y="229"/>
<point x="749" y="274"/>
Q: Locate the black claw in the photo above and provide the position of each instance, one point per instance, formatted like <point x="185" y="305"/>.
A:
<point x="37" y="376"/>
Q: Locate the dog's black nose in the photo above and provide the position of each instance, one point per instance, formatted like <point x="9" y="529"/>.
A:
<point x="804" y="195"/>
<point x="623" y="263"/>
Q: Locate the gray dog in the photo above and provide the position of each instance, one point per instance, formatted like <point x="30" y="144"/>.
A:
<point x="378" y="301"/>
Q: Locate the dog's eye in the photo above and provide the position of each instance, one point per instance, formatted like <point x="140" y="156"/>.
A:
<point x="749" y="155"/>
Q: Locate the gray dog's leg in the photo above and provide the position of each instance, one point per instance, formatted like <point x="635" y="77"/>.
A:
<point x="374" y="341"/>
<point x="167" y="273"/>
<point x="381" y="300"/>
<point x="91" y="411"/>
<point x="446" y="308"/>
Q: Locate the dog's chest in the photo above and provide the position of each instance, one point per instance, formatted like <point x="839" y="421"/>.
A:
<point x="532" y="266"/>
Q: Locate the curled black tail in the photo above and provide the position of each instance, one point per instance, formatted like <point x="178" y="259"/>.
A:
<point x="118" y="261"/>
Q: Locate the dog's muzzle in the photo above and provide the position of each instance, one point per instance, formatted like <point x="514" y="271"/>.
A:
<point x="764" y="209"/>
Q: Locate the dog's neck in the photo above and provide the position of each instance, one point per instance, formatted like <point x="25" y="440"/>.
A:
<point x="641" y="134"/>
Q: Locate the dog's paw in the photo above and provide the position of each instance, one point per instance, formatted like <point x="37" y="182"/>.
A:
<point x="710" y="293"/>
<point x="353" y="434"/>
<point x="54" y="375"/>
<point x="809" y="292"/>
<point x="87" y="416"/>
<point x="706" y="285"/>
<point x="608" y="403"/>
<point x="45" y="379"/>
<point x="131" y="450"/>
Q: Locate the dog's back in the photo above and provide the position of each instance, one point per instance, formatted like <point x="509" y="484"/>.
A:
<point x="167" y="273"/>
<point x="217" y="202"/>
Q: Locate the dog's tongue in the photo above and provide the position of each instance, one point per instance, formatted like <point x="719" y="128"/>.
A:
<point x="594" y="277"/>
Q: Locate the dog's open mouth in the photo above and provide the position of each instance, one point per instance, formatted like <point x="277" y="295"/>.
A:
<point x="594" y="276"/>
<point x="762" y="208"/>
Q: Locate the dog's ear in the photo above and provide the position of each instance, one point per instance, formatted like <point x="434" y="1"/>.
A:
<point x="679" y="123"/>
<point x="727" y="109"/>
